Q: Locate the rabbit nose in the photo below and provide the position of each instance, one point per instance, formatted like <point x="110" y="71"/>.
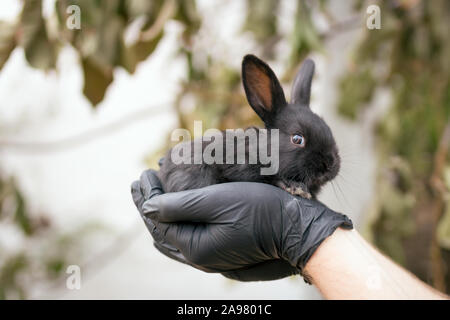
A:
<point x="331" y="160"/>
<point x="337" y="159"/>
<point x="332" y="165"/>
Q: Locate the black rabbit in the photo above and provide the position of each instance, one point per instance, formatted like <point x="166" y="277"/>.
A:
<point x="308" y="155"/>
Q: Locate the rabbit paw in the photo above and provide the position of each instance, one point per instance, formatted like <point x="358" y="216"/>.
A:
<point x="295" y="188"/>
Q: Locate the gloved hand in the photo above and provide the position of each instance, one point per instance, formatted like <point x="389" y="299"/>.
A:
<point x="246" y="231"/>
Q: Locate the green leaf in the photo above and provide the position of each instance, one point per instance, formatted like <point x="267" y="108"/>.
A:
<point x="356" y="90"/>
<point x="10" y="286"/>
<point x="138" y="52"/>
<point x="7" y="41"/>
<point x="21" y="215"/>
<point x="98" y="43"/>
<point x="305" y="37"/>
<point x="40" y="52"/>
<point x="188" y="15"/>
<point x="108" y="40"/>
<point x="97" y="78"/>
<point x="262" y="19"/>
<point x="136" y="8"/>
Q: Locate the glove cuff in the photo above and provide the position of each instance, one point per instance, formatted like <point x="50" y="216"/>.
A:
<point x="315" y="224"/>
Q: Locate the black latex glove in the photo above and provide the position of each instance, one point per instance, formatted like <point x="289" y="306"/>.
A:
<point x="246" y="231"/>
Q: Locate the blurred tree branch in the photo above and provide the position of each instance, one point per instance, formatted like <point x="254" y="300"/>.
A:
<point x="84" y="137"/>
<point x="438" y="185"/>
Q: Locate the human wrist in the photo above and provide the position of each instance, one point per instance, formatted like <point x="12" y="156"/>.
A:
<point x="324" y="252"/>
<point x="314" y="223"/>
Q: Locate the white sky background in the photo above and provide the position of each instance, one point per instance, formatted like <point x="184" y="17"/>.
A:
<point x="92" y="181"/>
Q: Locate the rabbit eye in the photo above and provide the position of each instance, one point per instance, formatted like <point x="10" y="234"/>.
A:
<point x="298" y="139"/>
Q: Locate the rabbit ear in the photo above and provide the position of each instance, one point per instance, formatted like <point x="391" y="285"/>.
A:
<point x="263" y="90"/>
<point x="301" y="89"/>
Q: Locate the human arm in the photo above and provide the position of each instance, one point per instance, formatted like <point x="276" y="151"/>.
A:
<point x="345" y="266"/>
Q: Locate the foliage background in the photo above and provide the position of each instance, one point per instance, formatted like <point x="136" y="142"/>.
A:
<point x="408" y="213"/>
